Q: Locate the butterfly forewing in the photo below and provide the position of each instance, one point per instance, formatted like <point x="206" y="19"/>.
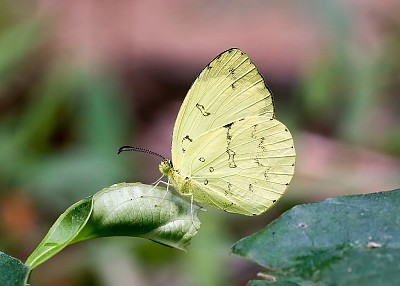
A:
<point x="242" y="167"/>
<point x="228" y="89"/>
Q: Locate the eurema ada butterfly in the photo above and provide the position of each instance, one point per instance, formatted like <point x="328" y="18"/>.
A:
<point x="228" y="150"/>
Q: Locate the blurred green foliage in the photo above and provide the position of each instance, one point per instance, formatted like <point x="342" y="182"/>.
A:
<point x="350" y="93"/>
<point x="60" y="141"/>
<point x="60" y="129"/>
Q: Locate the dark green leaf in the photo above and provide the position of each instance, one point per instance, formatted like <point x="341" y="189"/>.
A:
<point x="12" y="271"/>
<point x="122" y="210"/>
<point x="351" y="240"/>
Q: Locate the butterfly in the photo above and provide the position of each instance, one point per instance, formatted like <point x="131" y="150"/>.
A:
<point x="228" y="150"/>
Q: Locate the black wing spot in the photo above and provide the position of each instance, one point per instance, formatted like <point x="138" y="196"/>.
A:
<point x="274" y="201"/>
<point x="202" y="110"/>
<point x="231" y="153"/>
<point x="228" y="133"/>
<point x="206" y="182"/>
<point x="185" y="142"/>
<point x="229" y="125"/>
<point x="266" y="175"/>
<point x="257" y="161"/>
<point x="254" y="131"/>
<point x="209" y="67"/>
<point x="231" y="158"/>
<point x="187" y="138"/>
<point x="229" y="189"/>
<point x="211" y="169"/>
<point x="261" y="144"/>
<point x="232" y="73"/>
<point x="251" y="188"/>
<point x="201" y="159"/>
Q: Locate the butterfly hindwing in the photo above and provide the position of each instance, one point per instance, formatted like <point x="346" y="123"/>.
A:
<point x="228" y="89"/>
<point x="242" y="167"/>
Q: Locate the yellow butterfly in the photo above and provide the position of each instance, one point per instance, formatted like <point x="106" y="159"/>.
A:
<point x="228" y="150"/>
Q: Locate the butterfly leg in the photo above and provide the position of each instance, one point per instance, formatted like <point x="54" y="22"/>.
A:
<point x="158" y="181"/>
<point x="192" y="212"/>
<point x="168" y="184"/>
<point x="155" y="185"/>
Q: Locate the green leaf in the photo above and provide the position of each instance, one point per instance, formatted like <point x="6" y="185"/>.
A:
<point x="12" y="271"/>
<point x="122" y="210"/>
<point x="61" y="234"/>
<point x="350" y="240"/>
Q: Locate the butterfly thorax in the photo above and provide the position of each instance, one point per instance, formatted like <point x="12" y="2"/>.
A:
<point x="180" y="183"/>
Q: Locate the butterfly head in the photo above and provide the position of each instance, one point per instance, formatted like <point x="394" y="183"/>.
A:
<point x="165" y="167"/>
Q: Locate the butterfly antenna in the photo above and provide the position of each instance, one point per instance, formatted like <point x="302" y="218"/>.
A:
<point x="138" y="149"/>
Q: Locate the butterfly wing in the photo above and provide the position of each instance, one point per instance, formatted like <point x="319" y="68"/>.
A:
<point x="228" y="89"/>
<point x="242" y="167"/>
